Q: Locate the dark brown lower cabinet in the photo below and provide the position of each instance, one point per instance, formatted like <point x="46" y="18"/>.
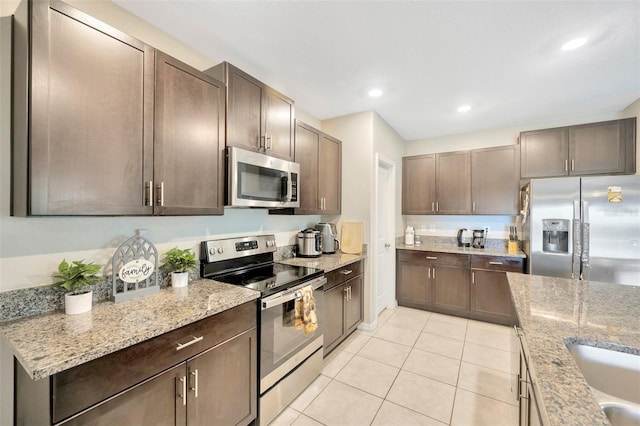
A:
<point x="343" y="304"/>
<point x="473" y="286"/>
<point x="212" y="381"/>
<point x="531" y="411"/>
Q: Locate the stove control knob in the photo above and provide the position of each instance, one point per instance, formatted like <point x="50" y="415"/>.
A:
<point x="212" y="251"/>
<point x="271" y="243"/>
<point x="220" y="250"/>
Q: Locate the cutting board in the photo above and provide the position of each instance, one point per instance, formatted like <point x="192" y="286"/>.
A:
<point x="351" y="237"/>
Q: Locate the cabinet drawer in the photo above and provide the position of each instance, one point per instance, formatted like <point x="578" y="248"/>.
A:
<point x="343" y="274"/>
<point x="82" y="386"/>
<point x="433" y="258"/>
<point x="497" y="263"/>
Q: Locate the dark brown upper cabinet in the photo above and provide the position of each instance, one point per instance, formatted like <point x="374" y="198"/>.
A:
<point x="258" y="117"/>
<point x="453" y="183"/>
<point x="105" y="125"/>
<point x="82" y="115"/>
<point x="436" y="184"/>
<point x="495" y="180"/>
<point x="419" y="184"/>
<point x="587" y="149"/>
<point x="320" y="159"/>
<point x="188" y="140"/>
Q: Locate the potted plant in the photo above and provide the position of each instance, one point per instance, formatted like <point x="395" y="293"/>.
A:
<point x="74" y="278"/>
<point x="179" y="263"/>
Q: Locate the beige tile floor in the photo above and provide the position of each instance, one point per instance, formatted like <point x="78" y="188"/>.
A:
<point x="417" y="368"/>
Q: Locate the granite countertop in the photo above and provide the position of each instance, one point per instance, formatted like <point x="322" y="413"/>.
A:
<point x="50" y="343"/>
<point x="553" y="311"/>
<point x="328" y="262"/>
<point x="451" y="248"/>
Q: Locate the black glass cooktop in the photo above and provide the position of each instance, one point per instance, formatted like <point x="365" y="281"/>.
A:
<point x="270" y="278"/>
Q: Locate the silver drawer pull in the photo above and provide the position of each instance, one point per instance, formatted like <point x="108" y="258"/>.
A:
<point x="495" y="263"/>
<point x="346" y="271"/>
<point x="183" y="388"/>
<point x="432" y="258"/>
<point x="195" y="339"/>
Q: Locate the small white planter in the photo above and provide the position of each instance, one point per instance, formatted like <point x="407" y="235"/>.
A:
<point x="78" y="303"/>
<point x="179" y="279"/>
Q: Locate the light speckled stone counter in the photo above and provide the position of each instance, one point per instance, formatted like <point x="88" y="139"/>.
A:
<point x="451" y="248"/>
<point x="50" y="343"/>
<point x="328" y="262"/>
<point x="553" y="311"/>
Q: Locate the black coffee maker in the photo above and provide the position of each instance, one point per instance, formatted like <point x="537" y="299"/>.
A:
<point x="461" y="242"/>
<point x="478" y="239"/>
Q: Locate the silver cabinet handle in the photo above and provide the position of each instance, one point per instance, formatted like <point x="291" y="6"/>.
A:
<point x="194" y="373"/>
<point x="268" y="144"/>
<point x="434" y="273"/>
<point x="346" y="271"/>
<point x="148" y="193"/>
<point x="349" y="292"/>
<point x="432" y="257"/>
<point x="473" y="278"/>
<point x="473" y="206"/>
<point x="182" y="389"/>
<point x="195" y="339"/>
<point x="319" y="203"/>
<point x="160" y="194"/>
<point x="429" y="273"/>
<point x="495" y="263"/>
<point x="566" y="165"/>
<point x="346" y="293"/>
<point x="433" y="206"/>
<point x="437" y="207"/>
<point x="573" y="164"/>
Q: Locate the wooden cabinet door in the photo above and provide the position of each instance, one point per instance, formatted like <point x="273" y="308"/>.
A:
<point x="491" y="296"/>
<point x="544" y="153"/>
<point x="330" y="174"/>
<point x="189" y="140"/>
<point x="451" y="288"/>
<point x="156" y="401"/>
<point x="353" y="312"/>
<point x="307" y="141"/>
<point x="597" y="148"/>
<point x="278" y="124"/>
<point x="453" y="183"/>
<point x="419" y="184"/>
<point x="222" y="383"/>
<point x="413" y="286"/>
<point x="334" y="300"/>
<point x="91" y="116"/>
<point x="495" y="180"/>
<point x="245" y="114"/>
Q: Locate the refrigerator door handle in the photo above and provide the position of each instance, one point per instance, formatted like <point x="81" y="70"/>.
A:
<point x="577" y="241"/>
<point x="584" y="274"/>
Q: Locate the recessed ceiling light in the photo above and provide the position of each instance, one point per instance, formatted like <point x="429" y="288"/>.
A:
<point x="374" y="93"/>
<point x="464" y="108"/>
<point x="574" y="44"/>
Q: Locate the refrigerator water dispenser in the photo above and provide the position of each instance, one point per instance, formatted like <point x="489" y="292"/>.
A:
<point x="555" y="235"/>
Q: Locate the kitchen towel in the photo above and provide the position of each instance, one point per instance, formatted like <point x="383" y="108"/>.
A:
<point x="305" y="312"/>
<point x="351" y="237"/>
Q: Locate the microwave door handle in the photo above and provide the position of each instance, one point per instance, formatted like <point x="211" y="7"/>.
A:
<point x="284" y="189"/>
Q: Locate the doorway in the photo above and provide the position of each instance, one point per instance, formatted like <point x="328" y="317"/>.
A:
<point x="384" y="227"/>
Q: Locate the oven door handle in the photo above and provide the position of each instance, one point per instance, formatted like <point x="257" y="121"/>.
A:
<point x="291" y="294"/>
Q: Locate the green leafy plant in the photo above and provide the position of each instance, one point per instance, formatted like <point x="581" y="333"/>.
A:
<point x="177" y="260"/>
<point x="76" y="276"/>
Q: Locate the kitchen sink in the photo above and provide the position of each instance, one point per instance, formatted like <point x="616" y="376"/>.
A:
<point x="615" y="378"/>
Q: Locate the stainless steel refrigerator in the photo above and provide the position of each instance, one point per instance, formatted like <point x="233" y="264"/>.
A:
<point x="586" y="228"/>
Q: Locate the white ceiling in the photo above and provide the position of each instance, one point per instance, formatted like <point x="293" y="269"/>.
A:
<point x="428" y="57"/>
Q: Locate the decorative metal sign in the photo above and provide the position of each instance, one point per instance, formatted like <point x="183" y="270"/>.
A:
<point x="136" y="270"/>
<point x="137" y="262"/>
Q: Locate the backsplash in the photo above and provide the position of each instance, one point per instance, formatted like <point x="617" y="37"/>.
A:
<point x="490" y="243"/>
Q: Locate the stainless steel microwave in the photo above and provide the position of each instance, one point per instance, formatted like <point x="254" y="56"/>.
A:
<point x="258" y="180"/>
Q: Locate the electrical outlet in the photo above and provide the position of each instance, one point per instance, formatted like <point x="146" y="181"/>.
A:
<point x="432" y="227"/>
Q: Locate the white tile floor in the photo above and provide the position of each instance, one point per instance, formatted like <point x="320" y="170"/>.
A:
<point x="417" y="368"/>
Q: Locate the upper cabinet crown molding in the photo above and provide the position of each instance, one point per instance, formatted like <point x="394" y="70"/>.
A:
<point x="606" y="147"/>
<point x="83" y="121"/>
<point x="259" y="118"/>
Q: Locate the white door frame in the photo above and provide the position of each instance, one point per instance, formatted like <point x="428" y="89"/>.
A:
<point x="386" y="163"/>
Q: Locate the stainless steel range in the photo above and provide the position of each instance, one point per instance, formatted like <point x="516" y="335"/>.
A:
<point x="290" y="315"/>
